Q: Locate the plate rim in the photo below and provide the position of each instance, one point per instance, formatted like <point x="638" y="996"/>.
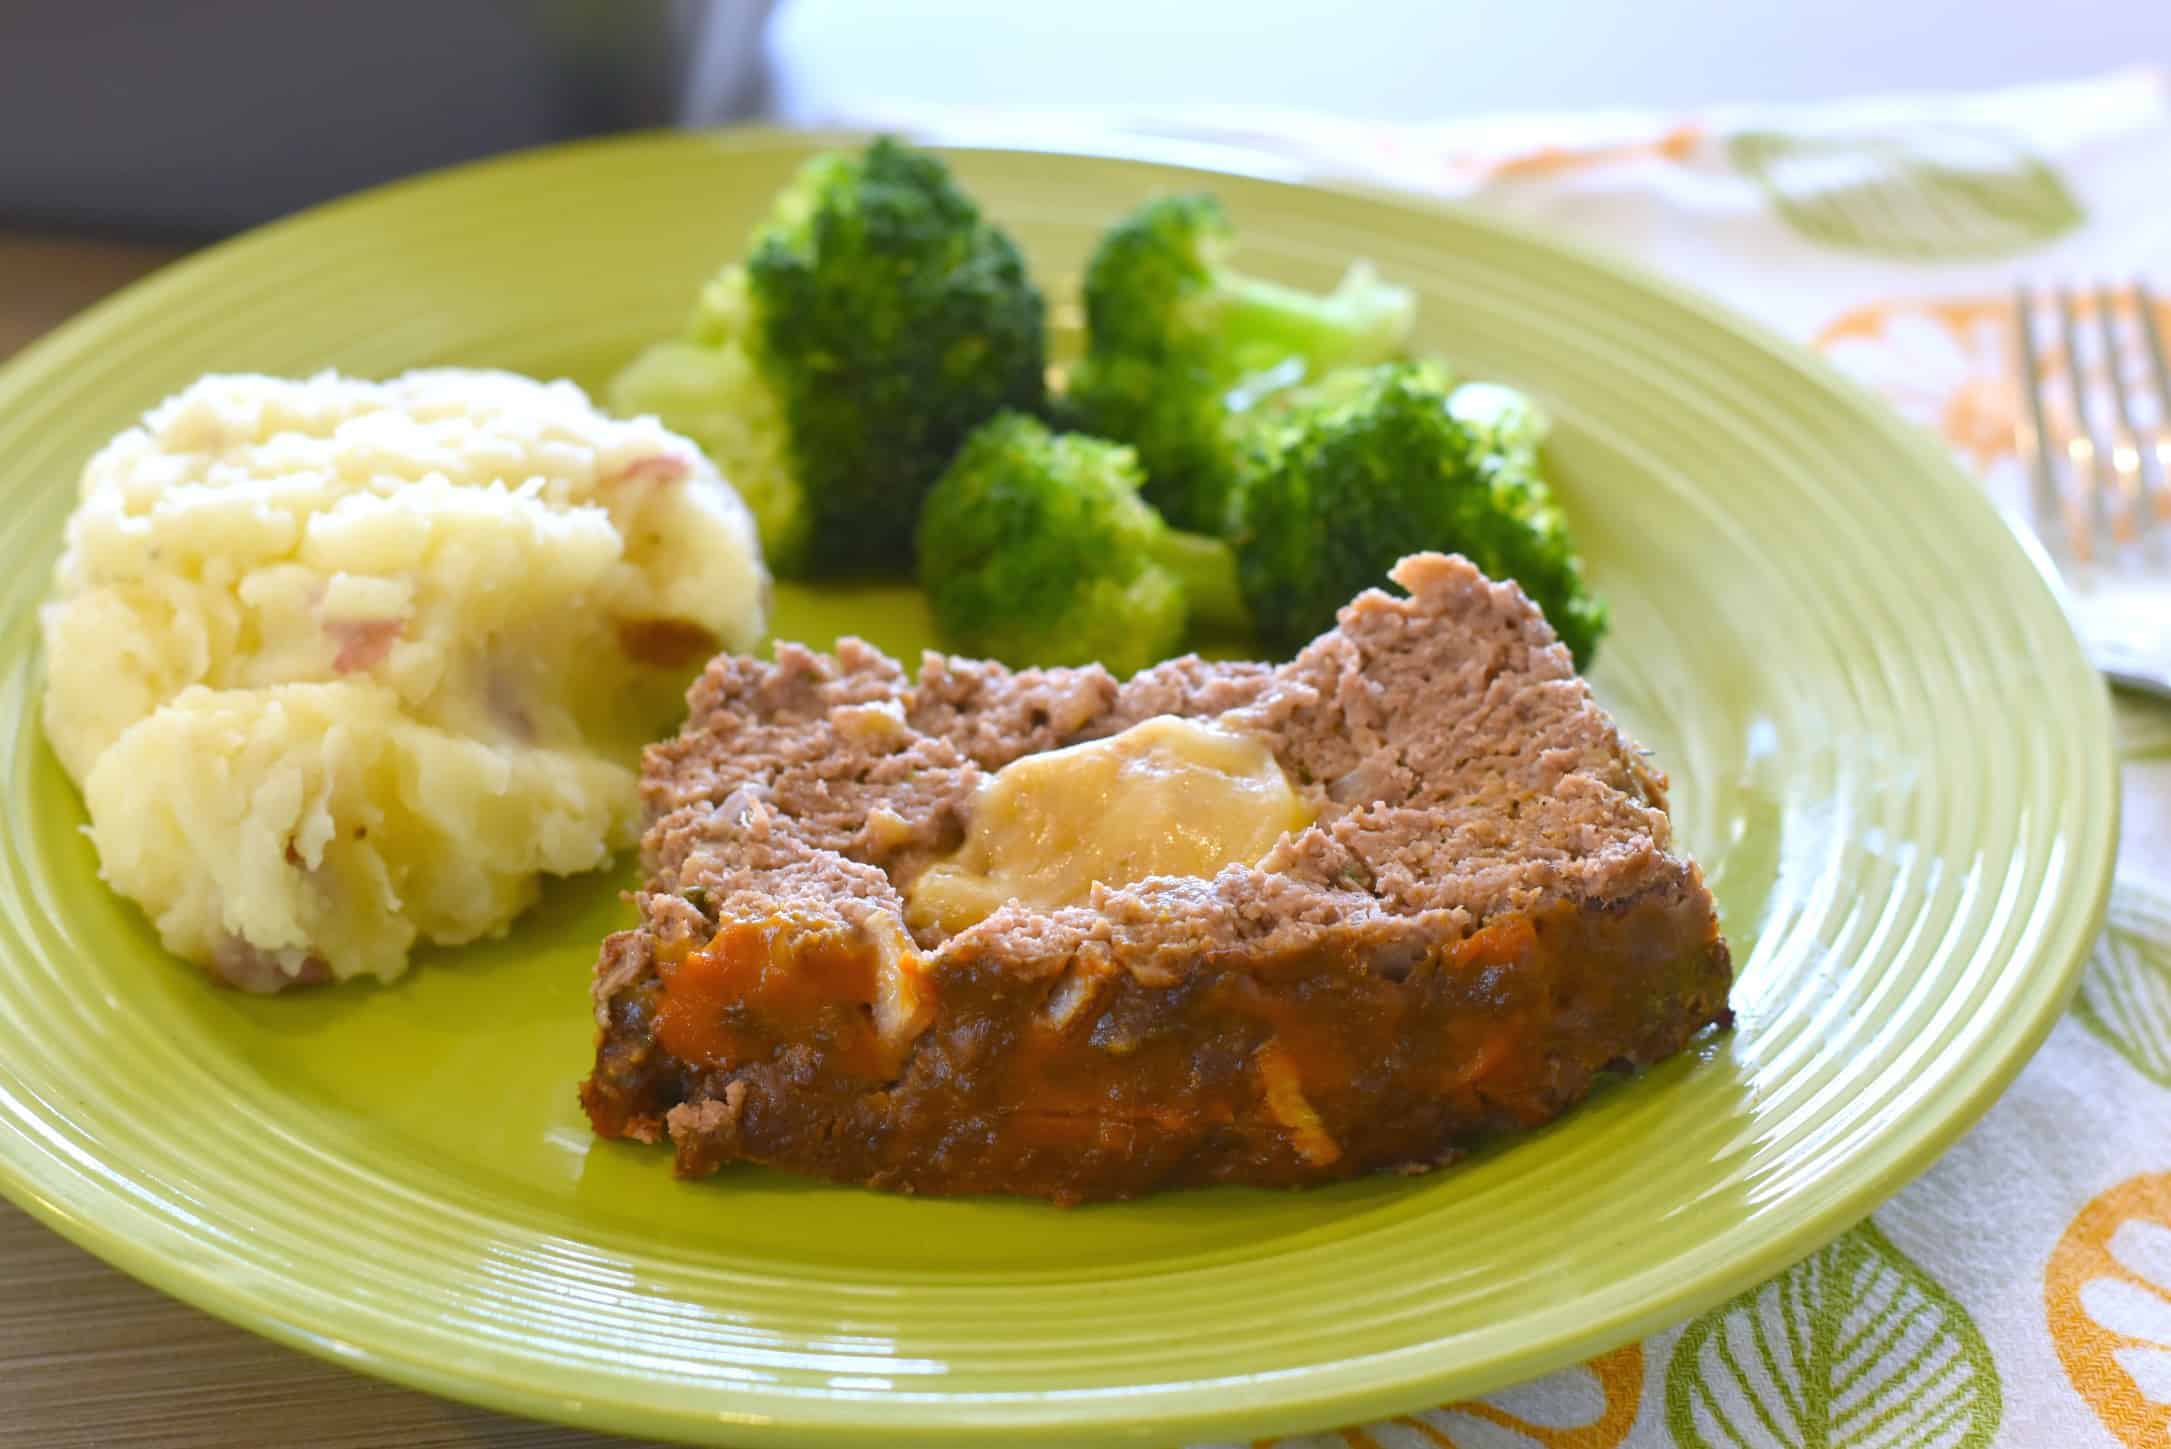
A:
<point x="1381" y="1383"/>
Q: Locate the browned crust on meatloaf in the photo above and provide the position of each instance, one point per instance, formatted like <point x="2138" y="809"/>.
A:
<point x="1484" y="916"/>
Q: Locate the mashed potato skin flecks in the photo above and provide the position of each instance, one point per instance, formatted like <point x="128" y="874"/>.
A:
<point x="341" y="665"/>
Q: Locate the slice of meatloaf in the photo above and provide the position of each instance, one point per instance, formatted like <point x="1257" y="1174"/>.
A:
<point x="1484" y="916"/>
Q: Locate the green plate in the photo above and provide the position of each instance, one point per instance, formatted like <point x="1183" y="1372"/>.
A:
<point x="1887" y="751"/>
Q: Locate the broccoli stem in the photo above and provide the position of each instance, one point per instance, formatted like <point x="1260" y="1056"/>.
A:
<point x="1363" y="320"/>
<point x="1206" y="567"/>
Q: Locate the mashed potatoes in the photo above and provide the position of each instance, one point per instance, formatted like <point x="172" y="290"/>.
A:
<point x="341" y="665"/>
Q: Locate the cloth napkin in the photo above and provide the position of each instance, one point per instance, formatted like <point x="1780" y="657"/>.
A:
<point x="2019" y="1293"/>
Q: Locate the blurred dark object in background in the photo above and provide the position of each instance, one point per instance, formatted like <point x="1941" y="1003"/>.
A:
<point x="210" y="115"/>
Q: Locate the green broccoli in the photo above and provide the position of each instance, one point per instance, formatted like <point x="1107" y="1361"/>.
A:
<point x="1378" y="466"/>
<point x="1501" y="420"/>
<point x="876" y="319"/>
<point x="1180" y="347"/>
<point x="1036" y="549"/>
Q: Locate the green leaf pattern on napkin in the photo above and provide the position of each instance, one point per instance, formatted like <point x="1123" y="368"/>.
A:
<point x="1927" y="195"/>
<point x="2144" y="728"/>
<point x="1854" y="1347"/>
<point x="2125" y="994"/>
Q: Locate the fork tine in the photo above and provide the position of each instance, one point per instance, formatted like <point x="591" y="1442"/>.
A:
<point x="2144" y="306"/>
<point x="2049" y="514"/>
<point x="2125" y="449"/>
<point x="2082" y="445"/>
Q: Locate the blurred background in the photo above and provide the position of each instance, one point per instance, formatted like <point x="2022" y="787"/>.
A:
<point x="185" y="121"/>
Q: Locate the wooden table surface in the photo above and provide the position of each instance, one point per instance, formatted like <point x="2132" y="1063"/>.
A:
<point x="92" y="1359"/>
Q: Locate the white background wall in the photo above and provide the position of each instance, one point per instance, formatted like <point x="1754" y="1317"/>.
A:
<point x="1409" y="59"/>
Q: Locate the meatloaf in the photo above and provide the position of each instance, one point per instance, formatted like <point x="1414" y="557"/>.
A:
<point x="1484" y="914"/>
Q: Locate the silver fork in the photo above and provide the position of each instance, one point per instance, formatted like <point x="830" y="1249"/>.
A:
<point x="2096" y="433"/>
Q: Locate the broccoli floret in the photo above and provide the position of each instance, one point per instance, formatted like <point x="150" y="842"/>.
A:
<point x="1180" y="347"/>
<point x="709" y="387"/>
<point x="876" y="320"/>
<point x="1384" y="468"/>
<point x="1036" y="549"/>
<point x="1501" y="420"/>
